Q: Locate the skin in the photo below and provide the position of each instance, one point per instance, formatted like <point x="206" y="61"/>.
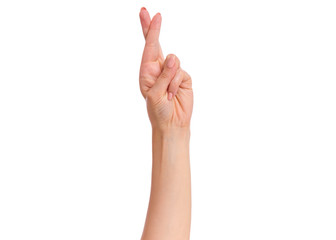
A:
<point x="167" y="89"/>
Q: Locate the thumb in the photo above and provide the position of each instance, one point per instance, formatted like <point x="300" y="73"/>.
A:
<point x="170" y="66"/>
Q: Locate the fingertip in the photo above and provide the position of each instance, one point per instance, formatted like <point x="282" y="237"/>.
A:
<point x="157" y="18"/>
<point x="144" y="12"/>
<point x="170" y="60"/>
<point x="170" y="96"/>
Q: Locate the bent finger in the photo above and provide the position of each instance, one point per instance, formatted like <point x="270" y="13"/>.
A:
<point x="175" y="83"/>
<point x="171" y="64"/>
<point x="186" y="81"/>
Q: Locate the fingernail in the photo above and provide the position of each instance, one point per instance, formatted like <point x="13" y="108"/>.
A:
<point x="170" y="96"/>
<point x="143" y="8"/>
<point x="171" y="61"/>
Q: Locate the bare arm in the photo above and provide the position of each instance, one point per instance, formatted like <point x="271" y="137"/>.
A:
<point x="169" y="97"/>
<point x="169" y="210"/>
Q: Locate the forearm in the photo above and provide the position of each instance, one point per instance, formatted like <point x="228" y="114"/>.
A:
<point x="169" y="210"/>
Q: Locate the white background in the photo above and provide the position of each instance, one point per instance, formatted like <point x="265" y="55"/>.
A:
<point x="75" y="139"/>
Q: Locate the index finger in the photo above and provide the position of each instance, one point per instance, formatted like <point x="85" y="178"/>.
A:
<point x="145" y="20"/>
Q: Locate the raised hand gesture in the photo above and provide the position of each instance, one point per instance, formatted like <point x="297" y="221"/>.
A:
<point x="165" y="86"/>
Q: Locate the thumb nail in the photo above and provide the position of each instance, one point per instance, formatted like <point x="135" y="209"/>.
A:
<point x="171" y="61"/>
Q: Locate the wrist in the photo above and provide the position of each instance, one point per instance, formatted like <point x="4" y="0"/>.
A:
<point x="174" y="133"/>
<point x="171" y="145"/>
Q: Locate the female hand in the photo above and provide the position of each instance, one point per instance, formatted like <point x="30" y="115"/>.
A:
<point x="165" y="86"/>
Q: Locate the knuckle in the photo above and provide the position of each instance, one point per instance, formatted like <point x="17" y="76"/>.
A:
<point x="187" y="76"/>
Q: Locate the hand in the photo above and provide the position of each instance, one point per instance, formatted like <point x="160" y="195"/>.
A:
<point x="166" y="109"/>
